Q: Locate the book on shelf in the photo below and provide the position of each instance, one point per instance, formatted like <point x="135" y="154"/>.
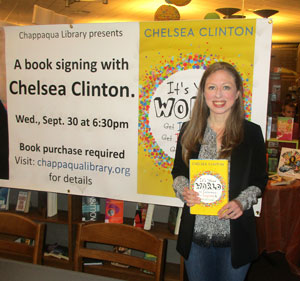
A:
<point x="23" y="201"/>
<point x="269" y="127"/>
<point x="91" y="261"/>
<point x="57" y="251"/>
<point x="124" y="251"/>
<point x="209" y="178"/>
<point x="4" y="198"/>
<point x="149" y="217"/>
<point x="285" y="128"/>
<point x="114" y="210"/>
<point x="272" y="164"/>
<point x="140" y="214"/>
<point x="150" y="257"/>
<point x="174" y="219"/>
<point x="289" y="163"/>
<point x="51" y="204"/>
<point x="24" y="240"/>
<point x="90" y="208"/>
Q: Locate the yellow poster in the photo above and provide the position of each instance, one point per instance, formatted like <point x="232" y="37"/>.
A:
<point x="210" y="179"/>
<point x="173" y="57"/>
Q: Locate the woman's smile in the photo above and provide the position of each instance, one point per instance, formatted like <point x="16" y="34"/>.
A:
<point x="220" y="93"/>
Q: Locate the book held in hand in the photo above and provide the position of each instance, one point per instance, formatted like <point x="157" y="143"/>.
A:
<point x="4" y="198"/>
<point x="210" y="179"/>
<point x="90" y="208"/>
<point x="23" y="202"/>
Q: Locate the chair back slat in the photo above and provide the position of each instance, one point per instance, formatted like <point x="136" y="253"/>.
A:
<point x="124" y="236"/>
<point x="16" y="225"/>
<point x="127" y="237"/>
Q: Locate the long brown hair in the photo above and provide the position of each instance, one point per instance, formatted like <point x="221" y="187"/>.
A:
<point x="194" y="131"/>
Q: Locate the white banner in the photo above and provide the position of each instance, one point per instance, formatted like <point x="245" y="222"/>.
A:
<point x="73" y="106"/>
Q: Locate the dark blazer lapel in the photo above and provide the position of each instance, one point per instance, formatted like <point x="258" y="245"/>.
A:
<point x="239" y="169"/>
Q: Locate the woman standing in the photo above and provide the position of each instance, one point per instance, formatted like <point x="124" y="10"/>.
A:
<point x="220" y="247"/>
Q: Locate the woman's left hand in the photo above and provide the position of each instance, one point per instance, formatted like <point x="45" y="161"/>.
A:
<point x="232" y="210"/>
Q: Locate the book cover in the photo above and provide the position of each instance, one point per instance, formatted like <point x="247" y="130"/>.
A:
<point x="272" y="164"/>
<point x="210" y="179"/>
<point x="90" y="208"/>
<point x="51" y="204"/>
<point x="276" y="180"/>
<point x="174" y="219"/>
<point x="289" y="163"/>
<point x="114" y="210"/>
<point x="285" y="128"/>
<point x="149" y="217"/>
<point x="140" y="215"/>
<point x="23" y="202"/>
<point x="4" y="198"/>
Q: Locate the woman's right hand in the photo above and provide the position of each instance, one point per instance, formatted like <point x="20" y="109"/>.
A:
<point x="190" y="197"/>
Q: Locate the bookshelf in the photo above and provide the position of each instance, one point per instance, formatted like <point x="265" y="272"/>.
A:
<point x="72" y="216"/>
<point x="273" y="150"/>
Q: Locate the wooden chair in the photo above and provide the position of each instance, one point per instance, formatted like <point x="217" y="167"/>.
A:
<point x="13" y="226"/>
<point x="125" y="236"/>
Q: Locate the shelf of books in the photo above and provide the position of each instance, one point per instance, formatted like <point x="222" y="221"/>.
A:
<point x="60" y="218"/>
<point x="87" y="209"/>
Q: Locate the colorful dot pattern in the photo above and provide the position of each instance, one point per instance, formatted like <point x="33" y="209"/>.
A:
<point x="152" y="79"/>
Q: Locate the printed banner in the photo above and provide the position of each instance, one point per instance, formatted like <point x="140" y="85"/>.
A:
<point x="95" y="109"/>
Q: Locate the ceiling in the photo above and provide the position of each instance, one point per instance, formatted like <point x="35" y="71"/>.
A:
<point x="286" y="27"/>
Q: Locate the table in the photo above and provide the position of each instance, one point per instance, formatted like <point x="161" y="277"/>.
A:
<point x="12" y="270"/>
<point x="278" y="227"/>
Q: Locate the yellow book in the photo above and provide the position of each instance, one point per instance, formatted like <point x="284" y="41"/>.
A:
<point x="210" y="179"/>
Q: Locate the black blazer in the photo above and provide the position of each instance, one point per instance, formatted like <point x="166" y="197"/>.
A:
<point x="247" y="168"/>
<point x="3" y="143"/>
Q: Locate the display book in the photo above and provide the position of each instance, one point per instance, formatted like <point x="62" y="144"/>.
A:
<point x="90" y="208"/>
<point x="209" y="178"/>
<point x="274" y="149"/>
<point x="143" y="217"/>
<point x="51" y="204"/>
<point x="23" y="202"/>
<point x="285" y="128"/>
<point x="277" y="180"/>
<point x="4" y="198"/>
<point x="289" y="163"/>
